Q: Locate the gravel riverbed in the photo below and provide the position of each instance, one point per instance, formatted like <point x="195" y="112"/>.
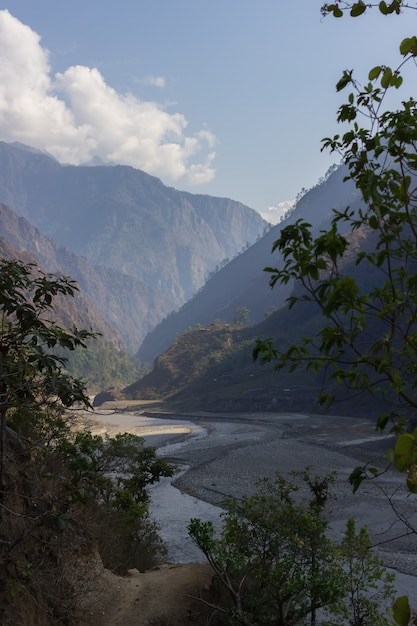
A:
<point x="227" y="453"/>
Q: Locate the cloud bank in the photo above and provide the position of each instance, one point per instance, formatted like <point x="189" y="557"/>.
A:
<point x="75" y="115"/>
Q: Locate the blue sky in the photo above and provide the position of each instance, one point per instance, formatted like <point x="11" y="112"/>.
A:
<point x="225" y="97"/>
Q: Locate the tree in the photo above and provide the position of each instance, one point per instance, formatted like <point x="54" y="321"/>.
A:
<point x="368" y="337"/>
<point x="241" y="316"/>
<point x="59" y="488"/>
<point x="273" y="558"/>
<point x="32" y="376"/>
<point x="108" y="478"/>
<point x="275" y="564"/>
<point x="365" y="581"/>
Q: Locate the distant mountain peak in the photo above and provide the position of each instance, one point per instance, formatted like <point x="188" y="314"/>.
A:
<point x="159" y="242"/>
<point x="23" y="146"/>
<point x="96" y="160"/>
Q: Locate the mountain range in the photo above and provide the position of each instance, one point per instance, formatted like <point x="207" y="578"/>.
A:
<point x="105" y="362"/>
<point x="137" y="248"/>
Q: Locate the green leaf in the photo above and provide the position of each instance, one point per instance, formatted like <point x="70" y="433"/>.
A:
<point x="406" y="45"/>
<point x="375" y="72"/>
<point x="335" y="9"/>
<point x="357" y="477"/>
<point x="357" y="9"/>
<point x="411" y="486"/>
<point x="386" y="78"/>
<point x="405" y="451"/>
<point x="405" y="444"/>
<point x="396" y="81"/>
<point x="373" y="222"/>
<point x="388" y="9"/>
<point x="401" y="609"/>
<point x="345" y="80"/>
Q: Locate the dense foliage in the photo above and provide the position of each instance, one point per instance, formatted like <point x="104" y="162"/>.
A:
<point x="62" y="490"/>
<point x="102" y="366"/>
<point x="190" y="359"/>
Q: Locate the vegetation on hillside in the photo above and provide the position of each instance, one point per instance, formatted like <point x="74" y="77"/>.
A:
<point x="368" y="337"/>
<point x="105" y="363"/>
<point x="63" y="492"/>
<point x="201" y="371"/>
<point x="101" y="366"/>
<point x="63" y="489"/>
<point x="193" y="355"/>
<point x="367" y="341"/>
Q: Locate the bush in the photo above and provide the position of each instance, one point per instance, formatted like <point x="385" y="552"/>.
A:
<point x="275" y="564"/>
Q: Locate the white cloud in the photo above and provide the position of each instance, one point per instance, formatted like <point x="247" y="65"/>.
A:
<point x="75" y="115"/>
<point x="274" y="214"/>
<point x="157" y="81"/>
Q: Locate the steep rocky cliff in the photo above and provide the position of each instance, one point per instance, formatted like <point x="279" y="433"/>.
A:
<point x="127" y="304"/>
<point x="124" y="219"/>
<point x="105" y="363"/>
<point x="242" y="282"/>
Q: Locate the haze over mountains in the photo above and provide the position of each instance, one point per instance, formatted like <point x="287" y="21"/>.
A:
<point x="242" y="282"/>
<point x="210" y="367"/>
<point x="139" y="248"/>
<point x="129" y="306"/>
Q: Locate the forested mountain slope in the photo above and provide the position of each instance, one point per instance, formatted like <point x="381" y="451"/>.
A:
<point x="106" y="362"/>
<point x="212" y="367"/>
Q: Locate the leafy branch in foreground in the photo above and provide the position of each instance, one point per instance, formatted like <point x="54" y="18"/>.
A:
<point x="368" y="337"/>
<point x="355" y="9"/>
<point x="32" y="375"/>
<point x="360" y="272"/>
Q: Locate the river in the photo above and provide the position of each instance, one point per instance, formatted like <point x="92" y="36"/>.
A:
<point x="171" y="508"/>
<point x="228" y="453"/>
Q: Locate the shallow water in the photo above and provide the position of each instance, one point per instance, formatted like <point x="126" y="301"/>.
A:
<point x="173" y="511"/>
<point x="171" y="508"/>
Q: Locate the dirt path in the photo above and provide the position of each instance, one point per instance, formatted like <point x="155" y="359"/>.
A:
<point x="156" y="598"/>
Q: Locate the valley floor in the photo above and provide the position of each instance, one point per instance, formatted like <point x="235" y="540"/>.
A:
<point x="227" y="453"/>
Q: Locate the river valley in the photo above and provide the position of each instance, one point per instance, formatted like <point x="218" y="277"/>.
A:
<point x="224" y="455"/>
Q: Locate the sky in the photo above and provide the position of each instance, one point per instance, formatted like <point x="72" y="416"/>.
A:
<point x="223" y="97"/>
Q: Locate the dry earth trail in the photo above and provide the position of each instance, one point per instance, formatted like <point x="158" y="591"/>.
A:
<point x="156" y="598"/>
